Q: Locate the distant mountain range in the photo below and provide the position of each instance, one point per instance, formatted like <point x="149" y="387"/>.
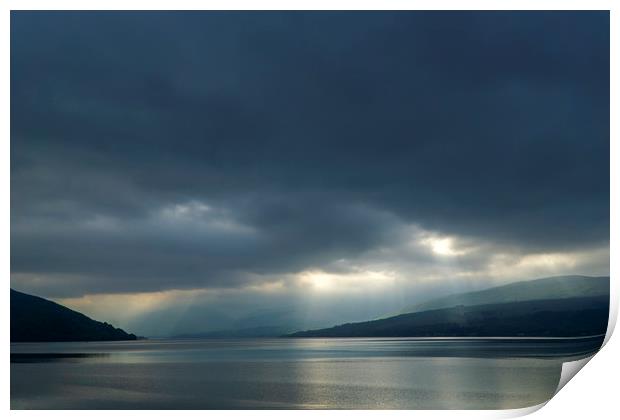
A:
<point x="559" y="287"/>
<point x="567" y="306"/>
<point x="251" y="332"/>
<point x="554" y="307"/>
<point x="36" y="319"/>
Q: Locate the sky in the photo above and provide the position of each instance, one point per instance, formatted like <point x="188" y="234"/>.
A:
<point x="177" y="172"/>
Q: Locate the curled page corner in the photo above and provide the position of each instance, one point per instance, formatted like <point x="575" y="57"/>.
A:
<point x="570" y="369"/>
<point x="519" y="412"/>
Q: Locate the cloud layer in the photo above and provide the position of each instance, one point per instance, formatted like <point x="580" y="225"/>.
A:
<point x="226" y="150"/>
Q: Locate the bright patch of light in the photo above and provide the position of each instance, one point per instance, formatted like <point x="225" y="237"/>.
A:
<point x="120" y="307"/>
<point x="443" y="246"/>
<point x="327" y="282"/>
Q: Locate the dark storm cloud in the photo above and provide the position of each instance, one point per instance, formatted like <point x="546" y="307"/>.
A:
<point x="192" y="250"/>
<point x="320" y="133"/>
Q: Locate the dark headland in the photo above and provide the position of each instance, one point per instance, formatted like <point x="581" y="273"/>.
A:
<point x="566" y="306"/>
<point x="34" y="319"/>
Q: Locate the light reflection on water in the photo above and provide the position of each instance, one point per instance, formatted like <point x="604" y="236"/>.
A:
<point x="290" y="373"/>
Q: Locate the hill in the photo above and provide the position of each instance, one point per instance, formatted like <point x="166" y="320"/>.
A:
<point x="560" y="287"/>
<point x="37" y="319"/>
<point x="571" y="317"/>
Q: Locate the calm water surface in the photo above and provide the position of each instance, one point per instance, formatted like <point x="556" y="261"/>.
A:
<point x="291" y="373"/>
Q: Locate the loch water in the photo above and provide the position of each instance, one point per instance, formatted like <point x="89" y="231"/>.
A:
<point x="307" y="373"/>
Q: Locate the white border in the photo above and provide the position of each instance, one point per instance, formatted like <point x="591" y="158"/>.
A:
<point x="600" y="383"/>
